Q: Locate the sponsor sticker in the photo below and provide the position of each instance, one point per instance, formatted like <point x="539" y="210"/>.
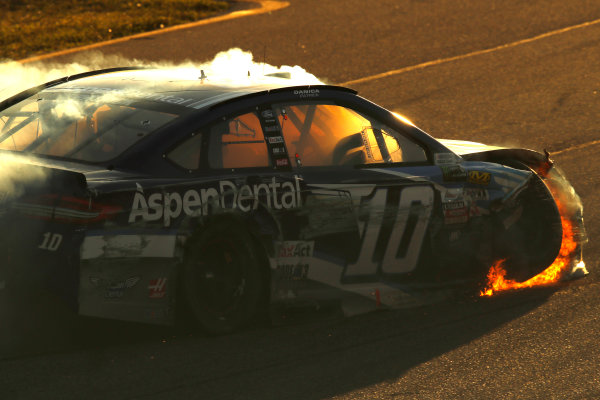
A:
<point x="455" y="212"/>
<point x="168" y="206"/>
<point x="454" y="205"/>
<point x="267" y="114"/>
<point x="304" y="93"/>
<point x="294" y="272"/>
<point x="295" y="249"/>
<point x="453" y="194"/>
<point x="272" y="128"/>
<point x="275" y="139"/>
<point x="454" y="173"/>
<point x="278" y="150"/>
<point x="282" y="162"/>
<point x="114" y="290"/>
<point x="446" y="159"/>
<point x="477" y="194"/>
<point x="157" y="288"/>
<point x="456" y="219"/>
<point x="480" y="177"/>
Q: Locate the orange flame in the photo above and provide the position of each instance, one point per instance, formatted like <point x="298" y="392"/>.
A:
<point x="561" y="265"/>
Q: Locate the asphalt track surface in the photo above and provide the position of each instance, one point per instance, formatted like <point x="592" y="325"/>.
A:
<point x="539" y="343"/>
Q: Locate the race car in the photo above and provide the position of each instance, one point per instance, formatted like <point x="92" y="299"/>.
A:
<point x="136" y="194"/>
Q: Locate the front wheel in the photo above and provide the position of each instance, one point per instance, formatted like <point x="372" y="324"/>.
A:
<point x="532" y="243"/>
<point x="222" y="280"/>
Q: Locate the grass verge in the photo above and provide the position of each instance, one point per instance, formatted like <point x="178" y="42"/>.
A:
<point x="33" y="27"/>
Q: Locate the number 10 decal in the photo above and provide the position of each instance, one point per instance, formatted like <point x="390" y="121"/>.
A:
<point x="393" y="233"/>
<point x="51" y="241"/>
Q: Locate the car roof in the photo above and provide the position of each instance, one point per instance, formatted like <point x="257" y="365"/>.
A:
<point x="186" y="87"/>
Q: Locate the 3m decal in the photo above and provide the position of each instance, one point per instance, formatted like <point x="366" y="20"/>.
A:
<point x="393" y="232"/>
<point x="454" y="173"/>
<point x="480" y="177"/>
<point x="51" y="241"/>
<point x="227" y="195"/>
<point x="295" y="249"/>
<point x="158" y="288"/>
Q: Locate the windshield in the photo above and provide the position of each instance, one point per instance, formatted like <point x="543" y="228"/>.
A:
<point x="76" y="126"/>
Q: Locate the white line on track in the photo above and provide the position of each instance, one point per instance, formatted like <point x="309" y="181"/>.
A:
<point x="577" y="147"/>
<point x="477" y="53"/>
<point x="467" y="55"/>
<point x="266" y="6"/>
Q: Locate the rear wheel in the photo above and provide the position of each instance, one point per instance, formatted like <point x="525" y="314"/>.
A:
<point x="222" y="280"/>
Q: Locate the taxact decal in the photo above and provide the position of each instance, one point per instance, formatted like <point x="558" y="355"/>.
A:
<point x="295" y="249"/>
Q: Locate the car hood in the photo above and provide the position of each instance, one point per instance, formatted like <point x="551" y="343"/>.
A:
<point x="462" y="147"/>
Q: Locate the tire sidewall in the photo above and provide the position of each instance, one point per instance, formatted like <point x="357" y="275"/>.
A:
<point x="232" y="235"/>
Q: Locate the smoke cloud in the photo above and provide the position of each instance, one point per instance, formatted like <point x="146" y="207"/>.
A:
<point x="233" y="67"/>
<point x="15" y="174"/>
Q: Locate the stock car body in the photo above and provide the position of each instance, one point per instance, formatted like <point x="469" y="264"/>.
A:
<point x="136" y="193"/>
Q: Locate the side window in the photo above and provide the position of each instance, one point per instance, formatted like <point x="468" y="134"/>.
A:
<point x="187" y="154"/>
<point x="329" y="134"/>
<point x="401" y="148"/>
<point x="325" y="134"/>
<point x="88" y="129"/>
<point x="238" y="142"/>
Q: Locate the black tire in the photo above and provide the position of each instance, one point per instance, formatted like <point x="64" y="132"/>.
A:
<point x="222" y="280"/>
<point x="532" y="243"/>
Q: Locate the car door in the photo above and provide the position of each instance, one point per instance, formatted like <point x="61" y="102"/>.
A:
<point x="365" y="206"/>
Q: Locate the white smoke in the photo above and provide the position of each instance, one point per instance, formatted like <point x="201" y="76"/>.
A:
<point x="15" y="174"/>
<point x="233" y="67"/>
